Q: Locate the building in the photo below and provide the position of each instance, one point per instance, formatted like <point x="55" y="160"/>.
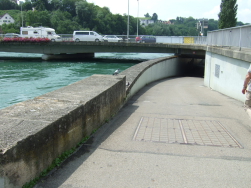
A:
<point x="6" y="18"/>
<point x="145" y="22"/>
<point x="165" y="22"/>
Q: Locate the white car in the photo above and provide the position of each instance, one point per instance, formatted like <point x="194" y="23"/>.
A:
<point x="112" y="38"/>
<point x="87" y="36"/>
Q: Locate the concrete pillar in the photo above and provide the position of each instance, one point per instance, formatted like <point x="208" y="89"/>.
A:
<point x="48" y="57"/>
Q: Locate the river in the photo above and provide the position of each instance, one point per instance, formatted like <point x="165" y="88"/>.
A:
<point x="22" y="79"/>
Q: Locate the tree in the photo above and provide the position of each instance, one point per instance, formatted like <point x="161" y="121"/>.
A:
<point x="147" y="15"/>
<point x="239" y="23"/>
<point x="37" y="18"/>
<point x="155" y="17"/>
<point x="227" y="15"/>
<point x="25" y="6"/>
<point x="7" y="5"/>
<point x="40" y="5"/>
<point x="10" y="28"/>
<point x="212" y="24"/>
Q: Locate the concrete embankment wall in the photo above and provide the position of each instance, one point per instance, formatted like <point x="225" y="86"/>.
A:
<point x="35" y="132"/>
<point x="225" y="74"/>
<point x="144" y="73"/>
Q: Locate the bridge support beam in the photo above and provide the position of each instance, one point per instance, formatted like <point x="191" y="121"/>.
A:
<point x="48" y="57"/>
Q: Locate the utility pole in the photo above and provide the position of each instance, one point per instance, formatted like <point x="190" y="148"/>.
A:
<point x="128" y="24"/>
<point x="138" y="20"/>
<point x="22" y="13"/>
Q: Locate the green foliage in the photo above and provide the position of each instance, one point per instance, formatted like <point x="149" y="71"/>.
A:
<point x="212" y="24"/>
<point x="65" y="16"/>
<point x="10" y="28"/>
<point x="179" y="27"/>
<point x="26" y="6"/>
<point x="227" y="15"/>
<point x="147" y="15"/>
<point x="13" y="13"/>
<point x="239" y="24"/>
<point x="62" y="22"/>
<point x="7" y="5"/>
<point x="37" y="18"/>
<point x="155" y="17"/>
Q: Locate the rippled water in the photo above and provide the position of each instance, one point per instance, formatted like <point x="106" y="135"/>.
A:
<point x="23" y="79"/>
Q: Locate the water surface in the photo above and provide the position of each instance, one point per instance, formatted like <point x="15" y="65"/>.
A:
<point x="22" y="79"/>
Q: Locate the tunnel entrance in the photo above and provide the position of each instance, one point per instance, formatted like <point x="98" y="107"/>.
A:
<point x="195" y="68"/>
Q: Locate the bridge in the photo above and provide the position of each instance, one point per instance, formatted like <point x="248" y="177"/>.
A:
<point x="62" y="50"/>
<point x="233" y="39"/>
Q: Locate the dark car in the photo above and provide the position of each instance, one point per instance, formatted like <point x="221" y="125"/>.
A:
<point x="145" y="39"/>
<point x="11" y="35"/>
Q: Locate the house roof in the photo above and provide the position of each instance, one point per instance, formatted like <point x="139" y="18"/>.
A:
<point x="4" y="15"/>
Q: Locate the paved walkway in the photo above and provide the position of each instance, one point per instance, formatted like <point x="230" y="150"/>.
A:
<point x="173" y="133"/>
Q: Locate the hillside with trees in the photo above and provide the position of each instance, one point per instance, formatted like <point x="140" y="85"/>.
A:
<point x="65" y="16"/>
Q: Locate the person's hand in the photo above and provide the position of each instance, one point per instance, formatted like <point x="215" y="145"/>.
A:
<point x="244" y="90"/>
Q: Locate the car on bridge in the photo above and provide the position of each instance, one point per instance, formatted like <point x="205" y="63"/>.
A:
<point x="40" y="32"/>
<point x="112" y="38"/>
<point x="11" y="35"/>
<point x="87" y="36"/>
<point x="145" y="39"/>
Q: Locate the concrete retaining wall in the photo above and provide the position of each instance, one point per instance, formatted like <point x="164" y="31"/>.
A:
<point x="225" y="74"/>
<point x="37" y="131"/>
<point x="144" y="73"/>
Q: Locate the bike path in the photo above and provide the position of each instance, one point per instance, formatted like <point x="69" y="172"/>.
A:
<point x="173" y="133"/>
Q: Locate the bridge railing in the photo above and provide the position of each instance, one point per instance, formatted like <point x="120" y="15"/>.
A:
<point x="231" y="37"/>
<point x="182" y="39"/>
<point x="159" y="39"/>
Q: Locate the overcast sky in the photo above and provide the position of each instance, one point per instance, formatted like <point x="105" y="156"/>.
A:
<point x="166" y="9"/>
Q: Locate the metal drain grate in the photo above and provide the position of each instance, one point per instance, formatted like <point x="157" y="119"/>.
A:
<point x="182" y="131"/>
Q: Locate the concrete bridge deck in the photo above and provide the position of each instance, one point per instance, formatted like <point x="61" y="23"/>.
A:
<point x="63" y="50"/>
<point x="161" y="138"/>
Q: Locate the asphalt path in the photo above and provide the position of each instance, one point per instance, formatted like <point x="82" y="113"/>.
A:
<point x="173" y="133"/>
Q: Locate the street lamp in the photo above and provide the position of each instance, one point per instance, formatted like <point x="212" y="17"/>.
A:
<point x="128" y="23"/>
<point x="138" y="20"/>
<point x="21" y="2"/>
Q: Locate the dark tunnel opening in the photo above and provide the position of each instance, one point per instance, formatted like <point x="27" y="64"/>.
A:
<point x="195" y="68"/>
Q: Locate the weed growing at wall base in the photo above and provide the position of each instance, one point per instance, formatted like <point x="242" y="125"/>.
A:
<point x="56" y="163"/>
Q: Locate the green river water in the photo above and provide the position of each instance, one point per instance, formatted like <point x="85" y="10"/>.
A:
<point x="22" y="79"/>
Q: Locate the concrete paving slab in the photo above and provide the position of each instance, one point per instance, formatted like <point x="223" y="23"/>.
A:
<point x="114" y="157"/>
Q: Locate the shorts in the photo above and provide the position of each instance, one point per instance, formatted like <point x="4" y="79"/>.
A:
<point x="248" y="99"/>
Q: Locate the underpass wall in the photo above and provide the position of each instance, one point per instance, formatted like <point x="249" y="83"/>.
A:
<point x="225" y="74"/>
<point x="144" y="73"/>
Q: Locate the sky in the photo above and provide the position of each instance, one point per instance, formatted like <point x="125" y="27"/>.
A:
<point x="166" y="9"/>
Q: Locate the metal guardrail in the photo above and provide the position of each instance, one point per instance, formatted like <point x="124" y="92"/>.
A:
<point x="239" y="37"/>
<point x="231" y="37"/>
<point x="182" y="39"/>
<point x="159" y="39"/>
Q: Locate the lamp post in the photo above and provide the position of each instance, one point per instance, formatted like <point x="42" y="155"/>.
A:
<point x="138" y="20"/>
<point x="21" y="2"/>
<point x="128" y="24"/>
